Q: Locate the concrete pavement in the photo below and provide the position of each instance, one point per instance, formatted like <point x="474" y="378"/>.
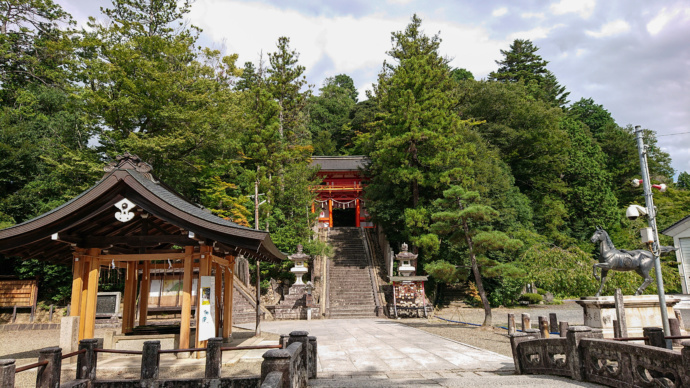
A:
<point x="384" y="353"/>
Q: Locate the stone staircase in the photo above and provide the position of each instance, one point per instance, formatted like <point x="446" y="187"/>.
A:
<point x="350" y="289"/>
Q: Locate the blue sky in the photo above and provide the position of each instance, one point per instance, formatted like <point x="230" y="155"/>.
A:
<point x="631" y="56"/>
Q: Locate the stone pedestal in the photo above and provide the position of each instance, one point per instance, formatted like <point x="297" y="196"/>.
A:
<point x="640" y="311"/>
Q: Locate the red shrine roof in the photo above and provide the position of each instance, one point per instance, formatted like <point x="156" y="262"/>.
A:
<point x="340" y="163"/>
<point x="162" y="222"/>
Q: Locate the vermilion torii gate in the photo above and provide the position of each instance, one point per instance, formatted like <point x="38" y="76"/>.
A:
<point x="129" y="220"/>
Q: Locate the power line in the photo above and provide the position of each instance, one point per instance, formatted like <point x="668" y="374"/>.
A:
<point x="673" y="134"/>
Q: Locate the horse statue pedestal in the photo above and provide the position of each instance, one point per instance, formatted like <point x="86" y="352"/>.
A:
<point x="640" y="311"/>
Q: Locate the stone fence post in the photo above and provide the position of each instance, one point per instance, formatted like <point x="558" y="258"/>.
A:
<point x="214" y="357"/>
<point x="515" y="339"/>
<point x="150" y="361"/>
<point x="48" y="376"/>
<point x="303" y="338"/>
<point x="313" y="356"/>
<point x="86" y="362"/>
<point x="276" y="361"/>
<point x="685" y="352"/>
<point x="573" y="353"/>
<point x="7" y="368"/>
<point x="655" y="337"/>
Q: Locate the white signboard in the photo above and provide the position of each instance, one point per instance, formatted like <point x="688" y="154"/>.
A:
<point x="207" y="297"/>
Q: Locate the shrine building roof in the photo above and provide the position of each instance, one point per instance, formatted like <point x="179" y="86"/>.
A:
<point x="340" y="163"/>
<point x="161" y="221"/>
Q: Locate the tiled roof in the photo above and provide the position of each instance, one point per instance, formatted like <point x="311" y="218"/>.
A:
<point x="340" y="163"/>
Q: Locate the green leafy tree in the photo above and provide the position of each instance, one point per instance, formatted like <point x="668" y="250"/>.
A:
<point x="683" y="181"/>
<point x="417" y="146"/>
<point x="589" y="198"/>
<point x="461" y="74"/>
<point x="330" y="115"/>
<point x="522" y="64"/>
<point x="467" y="222"/>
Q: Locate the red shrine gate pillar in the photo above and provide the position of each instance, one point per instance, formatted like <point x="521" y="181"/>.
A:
<point x="357" y="212"/>
<point x="330" y="213"/>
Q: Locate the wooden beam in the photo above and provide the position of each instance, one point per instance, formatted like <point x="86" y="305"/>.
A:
<point x="185" y="321"/>
<point x="228" y="287"/>
<point x="144" y="294"/>
<point x="222" y="262"/>
<point x="143" y="257"/>
<point x="132" y="241"/>
<point x="92" y="293"/>
<point x="77" y="284"/>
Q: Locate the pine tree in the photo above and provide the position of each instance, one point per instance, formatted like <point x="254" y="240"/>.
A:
<point x="467" y="222"/>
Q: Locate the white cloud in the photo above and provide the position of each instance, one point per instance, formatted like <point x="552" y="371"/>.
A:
<point x="533" y="34"/>
<point x="352" y="44"/>
<point x="532" y="15"/>
<point x="399" y="2"/>
<point x="499" y="12"/>
<point x="664" y="17"/>
<point x="582" y="7"/>
<point x="609" y="29"/>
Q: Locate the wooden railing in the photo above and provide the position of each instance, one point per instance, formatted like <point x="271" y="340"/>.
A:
<point x="289" y="364"/>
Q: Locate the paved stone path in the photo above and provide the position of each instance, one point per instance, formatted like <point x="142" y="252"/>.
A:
<point x="384" y="353"/>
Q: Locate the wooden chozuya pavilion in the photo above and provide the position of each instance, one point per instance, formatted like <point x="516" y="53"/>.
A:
<point x="129" y="220"/>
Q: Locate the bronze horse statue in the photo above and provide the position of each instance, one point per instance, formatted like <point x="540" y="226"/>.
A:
<point x="611" y="259"/>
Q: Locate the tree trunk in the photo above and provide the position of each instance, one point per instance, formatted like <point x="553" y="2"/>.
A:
<point x="477" y="276"/>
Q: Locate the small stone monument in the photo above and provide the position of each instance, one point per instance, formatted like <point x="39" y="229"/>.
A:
<point x="405" y="258"/>
<point x="299" y="269"/>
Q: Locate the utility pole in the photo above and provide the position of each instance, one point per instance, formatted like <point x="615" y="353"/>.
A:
<point x="651" y="215"/>
<point x="257" y="331"/>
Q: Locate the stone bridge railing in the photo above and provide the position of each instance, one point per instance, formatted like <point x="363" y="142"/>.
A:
<point x="290" y="366"/>
<point x="584" y="357"/>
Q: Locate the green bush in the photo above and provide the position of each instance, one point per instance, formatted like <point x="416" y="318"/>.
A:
<point x="532" y="298"/>
<point x="541" y="291"/>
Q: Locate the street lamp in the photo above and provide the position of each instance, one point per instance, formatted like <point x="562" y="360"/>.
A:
<point x="651" y="217"/>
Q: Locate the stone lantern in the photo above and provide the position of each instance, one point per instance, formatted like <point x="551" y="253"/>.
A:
<point x="405" y="258"/>
<point x="299" y="269"/>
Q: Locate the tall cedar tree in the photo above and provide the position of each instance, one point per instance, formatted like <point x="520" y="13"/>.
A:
<point x="466" y="222"/>
<point x="522" y="64"/>
<point x="329" y="115"/>
<point x="418" y="145"/>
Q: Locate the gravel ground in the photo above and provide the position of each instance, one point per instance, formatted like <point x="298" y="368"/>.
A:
<point x="494" y="339"/>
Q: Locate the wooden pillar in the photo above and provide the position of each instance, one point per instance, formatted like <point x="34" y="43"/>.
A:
<point x="92" y="292"/>
<point x="204" y="270"/>
<point x="357" y="212"/>
<point x="313" y="207"/>
<point x="219" y="295"/>
<point x="77" y="284"/>
<point x="186" y="319"/>
<point x="144" y="293"/>
<point x="86" y="267"/>
<point x="130" y="297"/>
<point x="330" y="212"/>
<point x="228" y="288"/>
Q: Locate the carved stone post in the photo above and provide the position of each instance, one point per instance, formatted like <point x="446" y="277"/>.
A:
<point x="313" y="356"/>
<point x="511" y="323"/>
<point x="515" y="339"/>
<point x="303" y="338"/>
<point x="284" y="340"/>
<point x="543" y="327"/>
<point x="674" y="325"/>
<point x="563" y="328"/>
<point x="526" y="322"/>
<point x="573" y="353"/>
<point x="277" y="360"/>
<point x="685" y="352"/>
<point x="553" y="322"/>
<point x="620" y="313"/>
<point x="86" y="362"/>
<point x="150" y="361"/>
<point x="7" y="368"/>
<point x="655" y="337"/>
<point x="48" y="376"/>
<point x="214" y="357"/>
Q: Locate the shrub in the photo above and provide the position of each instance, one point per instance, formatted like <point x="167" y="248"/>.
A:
<point x="532" y="298"/>
<point x="541" y="291"/>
